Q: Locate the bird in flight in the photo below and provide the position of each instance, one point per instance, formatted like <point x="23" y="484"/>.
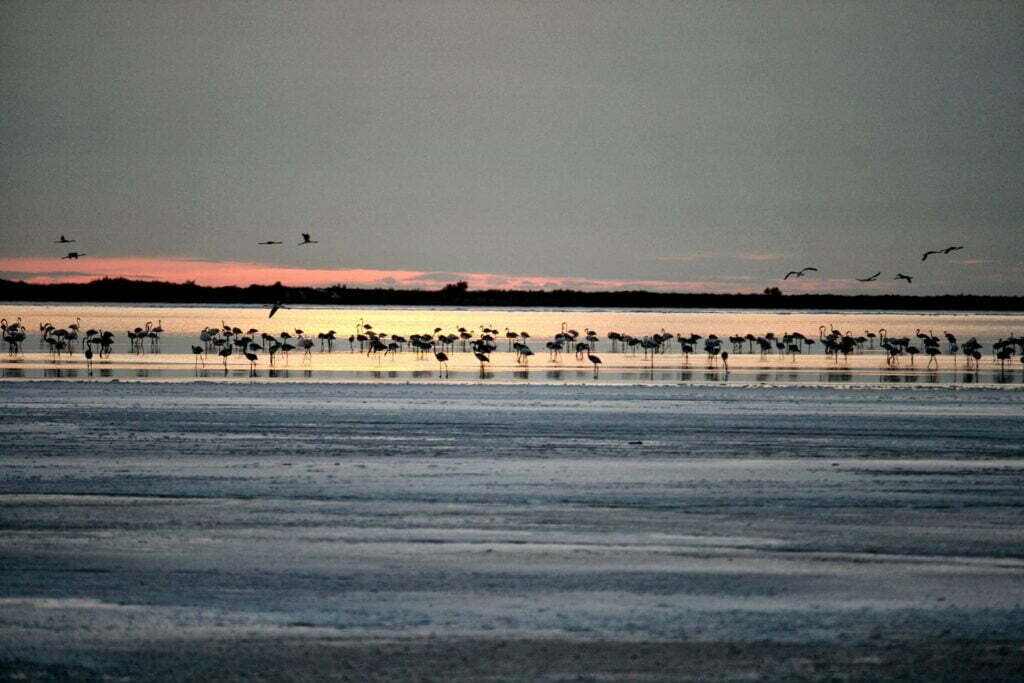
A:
<point x="940" y="251"/>
<point x="63" y="240"/>
<point x="869" y="279"/>
<point x="306" y="240"/>
<point x="72" y="254"/>
<point x="798" y="273"/>
<point x="270" y="242"/>
<point x="275" y="308"/>
<point x="901" y="276"/>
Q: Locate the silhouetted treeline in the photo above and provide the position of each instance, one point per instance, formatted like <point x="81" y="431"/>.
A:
<point x="119" y="290"/>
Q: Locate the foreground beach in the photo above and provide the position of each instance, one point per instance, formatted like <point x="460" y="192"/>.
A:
<point x="516" y="532"/>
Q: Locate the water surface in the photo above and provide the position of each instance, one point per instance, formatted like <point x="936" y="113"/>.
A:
<point x="169" y="358"/>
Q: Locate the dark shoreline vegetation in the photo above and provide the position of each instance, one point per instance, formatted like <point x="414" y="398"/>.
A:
<point x="121" y="290"/>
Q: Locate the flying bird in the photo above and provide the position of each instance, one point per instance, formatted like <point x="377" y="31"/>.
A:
<point x="63" y="240"/>
<point x="306" y="240"/>
<point x="939" y="251"/>
<point x="269" y="242"/>
<point x="72" y="254"/>
<point x="901" y="276"/>
<point x="798" y="273"/>
<point x="275" y="308"/>
<point x="869" y="279"/>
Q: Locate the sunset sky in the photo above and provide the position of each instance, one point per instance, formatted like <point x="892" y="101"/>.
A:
<point x="686" y="146"/>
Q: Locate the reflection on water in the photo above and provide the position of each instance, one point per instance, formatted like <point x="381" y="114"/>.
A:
<point x="57" y="373"/>
<point x="169" y="358"/>
<point x="509" y="372"/>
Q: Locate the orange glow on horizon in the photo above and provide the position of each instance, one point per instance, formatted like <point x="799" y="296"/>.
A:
<point x="40" y="270"/>
<point x="37" y="270"/>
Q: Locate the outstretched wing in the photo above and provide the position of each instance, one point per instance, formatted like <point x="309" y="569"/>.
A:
<point x="929" y="253"/>
<point x="792" y="272"/>
<point x="806" y="269"/>
<point x="274" y="309"/>
<point x="949" y="249"/>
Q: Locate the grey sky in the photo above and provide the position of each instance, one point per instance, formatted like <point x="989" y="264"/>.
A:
<point x="633" y="140"/>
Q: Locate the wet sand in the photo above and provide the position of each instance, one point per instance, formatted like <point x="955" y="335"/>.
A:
<point x="211" y="530"/>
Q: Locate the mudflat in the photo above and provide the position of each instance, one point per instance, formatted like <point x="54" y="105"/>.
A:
<point x="395" y="532"/>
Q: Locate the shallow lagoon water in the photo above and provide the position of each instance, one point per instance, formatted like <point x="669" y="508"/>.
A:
<point x="172" y="360"/>
<point x="344" y="513"/>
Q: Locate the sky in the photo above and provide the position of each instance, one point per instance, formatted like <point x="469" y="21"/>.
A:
<point x="672" y="146"/>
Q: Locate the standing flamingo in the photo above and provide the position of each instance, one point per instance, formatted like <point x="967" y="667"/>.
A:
<point x="482" y="357"/>
<point x="442" y="362"/>
<point x="252" y="358"/>
<point x="224" y="353"/>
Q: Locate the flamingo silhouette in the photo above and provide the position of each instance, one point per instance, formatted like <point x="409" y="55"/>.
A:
<point x="72" y="254"/>
<point x="901" y="276"/>
<point x="268" y="242"/>
<point x="224" y="353"/>
<point x="482" y="357"/>
<point x="63" y="240"/>
<point x="595" y="360"/>
<point x="307" y="240"/>
<point x="442" y="362"/>
<point x="869" y="279"/>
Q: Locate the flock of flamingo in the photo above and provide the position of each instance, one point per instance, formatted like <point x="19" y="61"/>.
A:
<point x="227" y="341"/>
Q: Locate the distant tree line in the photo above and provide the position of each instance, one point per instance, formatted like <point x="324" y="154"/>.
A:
<point x="120" y="290"/>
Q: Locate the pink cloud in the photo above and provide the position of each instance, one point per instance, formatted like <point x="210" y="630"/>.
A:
<point x="222" y="273"/>
<point x="758" y="257"/>
<point x="708" y="255"/>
